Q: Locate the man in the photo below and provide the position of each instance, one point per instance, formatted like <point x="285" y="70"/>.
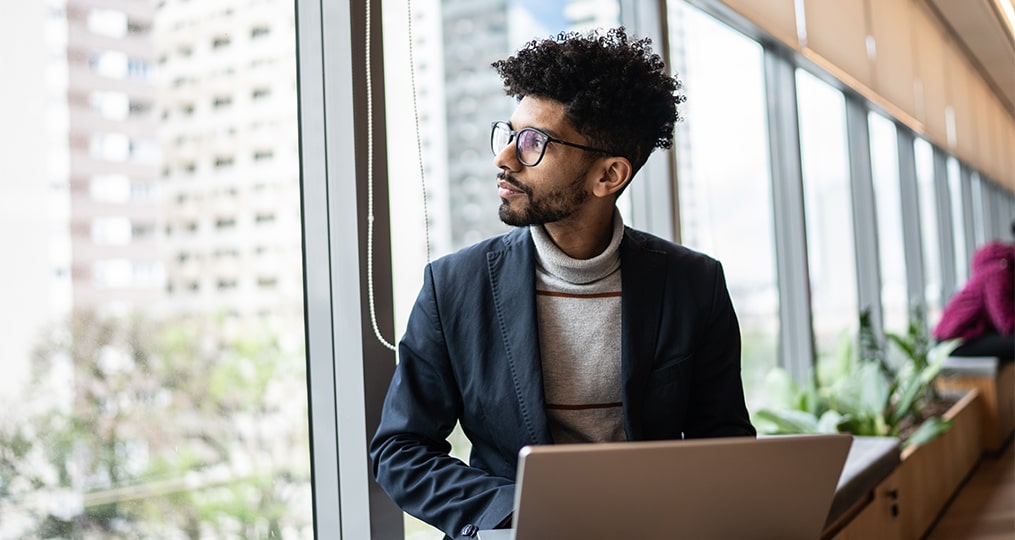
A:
<point x="570" y="328"/>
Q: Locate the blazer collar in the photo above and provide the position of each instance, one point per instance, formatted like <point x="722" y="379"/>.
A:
<point x="512" y="272"/>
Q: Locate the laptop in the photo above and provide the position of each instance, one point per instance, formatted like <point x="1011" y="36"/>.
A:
<point x="777" y="487"/>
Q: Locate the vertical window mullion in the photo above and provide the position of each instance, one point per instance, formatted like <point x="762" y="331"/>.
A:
<point x="944" y="225"/>
<point x="796" y="339"/>
<point x="865" y="233"/>
<point x="348" y="369"/>
<point x="909" y="191"/>
<point x="652" y="194"/>
<point x="968" y="226"/>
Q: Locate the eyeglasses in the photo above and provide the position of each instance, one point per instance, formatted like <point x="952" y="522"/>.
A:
<point x="531" y="143"/>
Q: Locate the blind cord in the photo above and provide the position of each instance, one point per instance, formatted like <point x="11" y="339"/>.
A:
<point x="370" y="165"/>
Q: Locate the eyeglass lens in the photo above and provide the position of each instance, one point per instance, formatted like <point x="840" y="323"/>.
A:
<point x="529" y="146"/>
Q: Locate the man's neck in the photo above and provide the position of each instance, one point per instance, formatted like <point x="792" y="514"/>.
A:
<point x="582" y="238"/>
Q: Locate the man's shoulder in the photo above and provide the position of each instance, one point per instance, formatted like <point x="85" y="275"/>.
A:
<point x="478" y="253"/>
<point x="641" y="240"/>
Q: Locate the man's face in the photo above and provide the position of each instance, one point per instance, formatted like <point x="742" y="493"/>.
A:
<point x="555" y="188"/>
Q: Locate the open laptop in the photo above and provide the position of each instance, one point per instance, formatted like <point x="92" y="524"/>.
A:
<point x="778" y="487"/>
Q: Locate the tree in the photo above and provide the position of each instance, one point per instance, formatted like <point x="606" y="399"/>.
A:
<point x="163" y="429"/>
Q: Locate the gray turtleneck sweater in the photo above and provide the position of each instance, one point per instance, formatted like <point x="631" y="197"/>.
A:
<point x="578" y="305"/>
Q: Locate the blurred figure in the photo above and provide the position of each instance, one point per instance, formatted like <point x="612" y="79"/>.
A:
<point x="982" y="314"/>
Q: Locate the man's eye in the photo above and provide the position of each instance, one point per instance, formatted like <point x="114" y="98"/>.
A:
<point x="529" y="141"/>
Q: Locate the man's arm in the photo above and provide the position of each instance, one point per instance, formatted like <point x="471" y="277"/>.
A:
<point x="717" y="407"/>
<point x="409" y="452"/>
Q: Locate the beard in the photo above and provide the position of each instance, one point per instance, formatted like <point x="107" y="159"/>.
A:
<point x="555" y="205"/>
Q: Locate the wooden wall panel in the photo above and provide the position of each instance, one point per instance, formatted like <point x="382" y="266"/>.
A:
<point x="837" y="31"/>
<point x="928" y="49"/>
<point x="958" y="72"/>
<point x="980" y="97"/>
<point x="894" y="75"/>
<point x="777" y="17"/>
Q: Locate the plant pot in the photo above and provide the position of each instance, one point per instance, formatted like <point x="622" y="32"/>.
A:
<point x="931" y="473"/>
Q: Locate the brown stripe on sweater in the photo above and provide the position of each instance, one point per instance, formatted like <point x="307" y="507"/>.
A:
<point x="583" y="407"/>
<point x="571" y="295"/>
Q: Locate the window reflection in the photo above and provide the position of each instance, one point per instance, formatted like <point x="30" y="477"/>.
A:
<point x="725" y="200"/>
<point x="155" y="384"/>
<point x="828" y="211"/>
<point x="891" y="248"/>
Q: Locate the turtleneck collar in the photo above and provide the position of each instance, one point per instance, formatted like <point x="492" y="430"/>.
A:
<point x="550" y="258"/>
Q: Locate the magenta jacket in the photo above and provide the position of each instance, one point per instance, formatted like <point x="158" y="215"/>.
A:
<point x="985" y="304"/>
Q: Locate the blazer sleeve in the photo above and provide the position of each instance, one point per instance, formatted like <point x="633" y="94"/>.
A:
<point x="409" y="451"/>
<point x="717" y="407"/>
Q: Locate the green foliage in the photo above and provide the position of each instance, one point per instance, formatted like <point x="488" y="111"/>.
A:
<point x="872" y="386"/>
<point x="184" y="428"/>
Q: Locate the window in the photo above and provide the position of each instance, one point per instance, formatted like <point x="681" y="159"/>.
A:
<point x="111" y="64"/>
<point x="145" y="392"/>
<point x="111" y="231"/>
<point x="963" y="257"/>
<point x="108" y="23"/>
<point x="113" y="188"/>
<point x="726" y="204"/>
<point x="111" y="105"/>
<point x="828" y="212"/>
<point x="888" y="200"/>
<point x="925" y="174"/>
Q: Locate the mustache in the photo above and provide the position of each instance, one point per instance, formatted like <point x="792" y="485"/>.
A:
<point x="514" y="182"/>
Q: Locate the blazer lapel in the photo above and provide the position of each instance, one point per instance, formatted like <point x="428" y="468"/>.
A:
<point x="643" y="274"/>
<point x="513" y="282"/>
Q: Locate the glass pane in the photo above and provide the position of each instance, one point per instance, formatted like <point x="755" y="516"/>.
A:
<point x="891" y="248"/>
<point x="929" y="233"/>
<point x="979" y="212"/>
<point x="441" y="132"/>
<point x="828" y="211"/>
<point x="962" y="256"/>
<point x="726" y="204"/>
<point x="154" y="363"/>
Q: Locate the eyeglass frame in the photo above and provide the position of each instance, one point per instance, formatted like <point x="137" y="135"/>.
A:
<point x="513" y="136"/>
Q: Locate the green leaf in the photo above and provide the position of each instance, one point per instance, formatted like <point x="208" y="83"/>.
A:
<point x="783" y="391"/>
<point x="829" y="422"/>
<point x="789" y="421"/>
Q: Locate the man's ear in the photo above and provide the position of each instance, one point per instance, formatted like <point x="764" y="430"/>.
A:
<point x="615" y="173"/>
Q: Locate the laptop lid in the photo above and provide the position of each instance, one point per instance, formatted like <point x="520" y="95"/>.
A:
<point x="772" y="487"/>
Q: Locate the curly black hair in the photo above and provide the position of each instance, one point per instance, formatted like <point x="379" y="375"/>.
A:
<point x="616" y="91"/>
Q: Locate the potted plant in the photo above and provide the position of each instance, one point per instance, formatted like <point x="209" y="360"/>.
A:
<point x="871" y="387"/>
<point x="886" y="387"/>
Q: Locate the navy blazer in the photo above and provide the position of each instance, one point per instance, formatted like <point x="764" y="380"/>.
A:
<point x="470" y="354"/>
